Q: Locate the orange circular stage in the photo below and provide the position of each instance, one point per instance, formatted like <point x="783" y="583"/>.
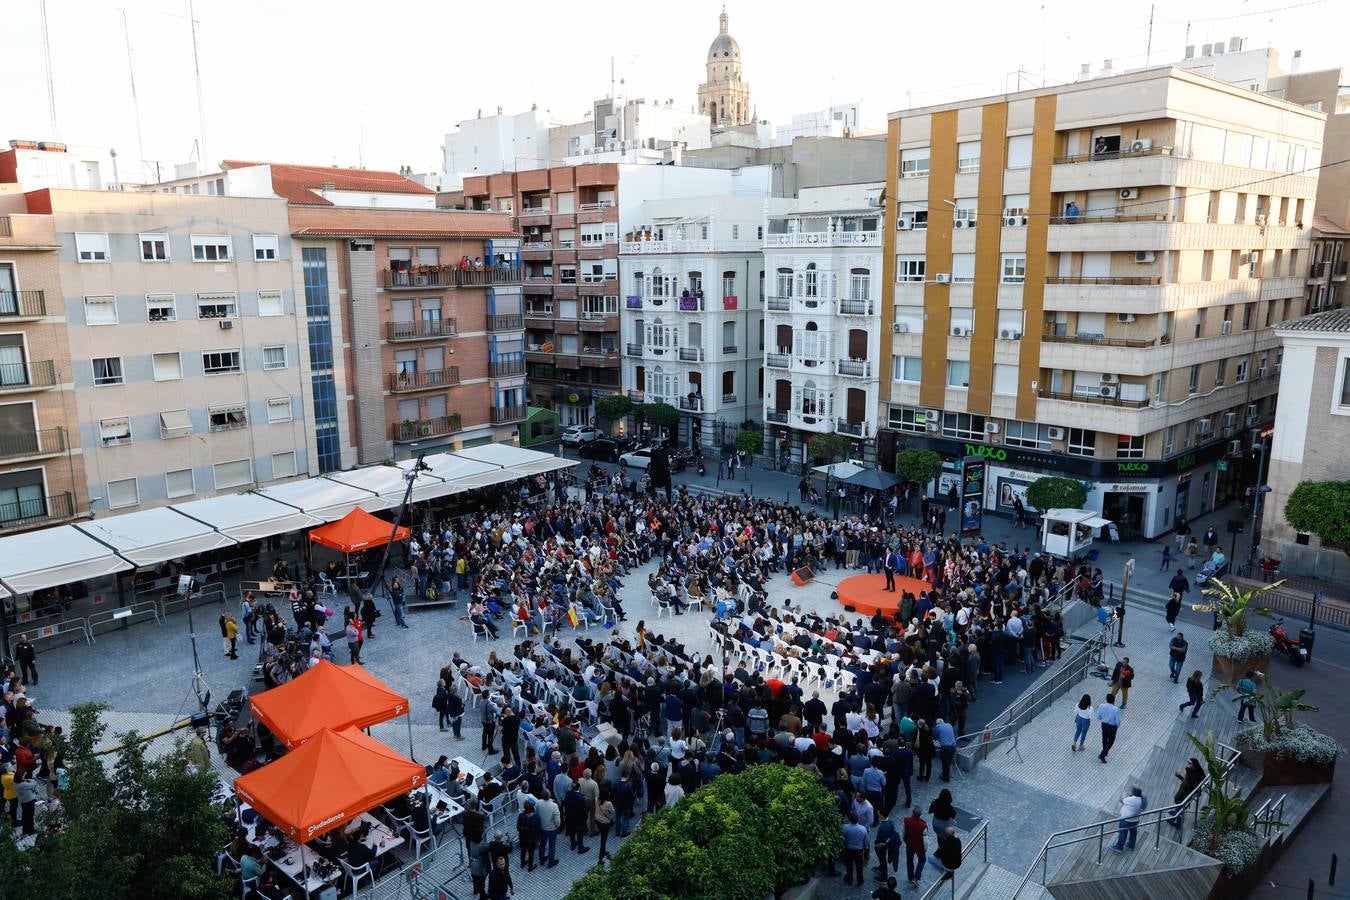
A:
<point x="867" y="594"/>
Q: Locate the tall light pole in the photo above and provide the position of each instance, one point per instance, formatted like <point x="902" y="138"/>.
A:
<point x="1258" y="495"/>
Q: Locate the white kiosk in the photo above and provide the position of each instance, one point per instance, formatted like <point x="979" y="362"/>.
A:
<point x="1067" y="533"/>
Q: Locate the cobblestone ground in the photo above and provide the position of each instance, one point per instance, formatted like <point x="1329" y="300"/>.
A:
<point x="144" y="674"/>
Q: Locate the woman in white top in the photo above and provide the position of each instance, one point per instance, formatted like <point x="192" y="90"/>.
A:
<point x="1082" y="722"/>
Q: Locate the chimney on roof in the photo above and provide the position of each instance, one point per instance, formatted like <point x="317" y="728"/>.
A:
<point x="1190" y="51"/>
<point x="1235" y="44"/>
<point x="1085" y="72"/>
<point x="1296" y="63"/>
<point x="1106" y="67"/>
<point x="329" y="186"/>
<point x="499" y="110"/>
<point x="480" y="112"/>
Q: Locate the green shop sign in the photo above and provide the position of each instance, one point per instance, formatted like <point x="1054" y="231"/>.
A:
<point x="994" y="453"/>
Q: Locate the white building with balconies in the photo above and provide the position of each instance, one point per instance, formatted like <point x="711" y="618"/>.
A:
<point x="822" y="260"/>
<point x="692" y="274"/>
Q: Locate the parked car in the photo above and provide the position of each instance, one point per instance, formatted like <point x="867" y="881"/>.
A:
<point x="641" y="458"/>
<point x="576" y="435"/>
<point x="604" y="449"/>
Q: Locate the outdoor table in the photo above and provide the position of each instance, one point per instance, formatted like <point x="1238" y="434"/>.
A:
<point x="437" y="796"/>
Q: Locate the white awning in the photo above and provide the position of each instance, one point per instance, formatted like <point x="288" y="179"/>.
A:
<point x="548" y="464"/>
<point x="247" y="516"/>
<point x="154" y="535"/>
<point x="329" y="500"/>
<point x="1095" y="522"/>
<point x="52" y="557"/>
<point x="839" y="470"/>
<point x="452" y="469"/>
<point x="504" y="455"/>
<point x="486" y="479"/>
<point x="389" y="483"/>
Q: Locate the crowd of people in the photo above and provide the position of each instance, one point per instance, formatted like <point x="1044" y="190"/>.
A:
<point x="32" y="763"/>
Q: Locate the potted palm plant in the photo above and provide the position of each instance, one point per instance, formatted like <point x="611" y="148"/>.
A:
<point x="1284" y="750"/>
<point x="1236" y="649"/>
<point x="1226" y="828"/>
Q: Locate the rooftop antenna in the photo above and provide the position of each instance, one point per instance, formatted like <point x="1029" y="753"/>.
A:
<point x="197" y="71"/>
<point x="135" y="103"/>
<point x="51" y="85"/>
<point x="1148" y="52"/>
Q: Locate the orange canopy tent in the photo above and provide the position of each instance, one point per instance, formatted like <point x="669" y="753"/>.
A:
<point x="326" y="696"/>
<point x="357" y="530"/>
<point x="329" y="781"/>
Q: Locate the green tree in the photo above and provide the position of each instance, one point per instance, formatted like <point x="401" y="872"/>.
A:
<point x="829" y="447"/>
<point x="1056" y="493"/>
<point x="139" y="828"/>
<point x="739" y="838"/>
<point x="749" y="441"/>
<point x="660" y="415"/>
<point x="1321" y="508"/>
<point x="918" y="466"/>
<point x="613" y="407"/>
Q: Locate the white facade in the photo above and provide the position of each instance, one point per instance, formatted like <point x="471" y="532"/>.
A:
<point x="48" y="164"/>
<point x="822" y="264"/>
<point x="490" y="144"/>
<point x="692" y="274"/>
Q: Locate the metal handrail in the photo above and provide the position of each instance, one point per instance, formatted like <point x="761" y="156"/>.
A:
<point x="981" y="837"/>
<point x="1151" y="817"/>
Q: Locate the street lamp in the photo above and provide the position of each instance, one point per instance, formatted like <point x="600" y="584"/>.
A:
<point x="1259" y="494"/>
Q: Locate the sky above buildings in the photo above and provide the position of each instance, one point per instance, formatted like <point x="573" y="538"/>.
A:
<point x="341" y="82"/>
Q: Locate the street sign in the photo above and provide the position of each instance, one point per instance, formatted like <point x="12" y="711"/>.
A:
<point x="1222" y="465"/>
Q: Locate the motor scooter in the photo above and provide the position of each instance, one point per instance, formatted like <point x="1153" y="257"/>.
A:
<point x="1291" y="647"/>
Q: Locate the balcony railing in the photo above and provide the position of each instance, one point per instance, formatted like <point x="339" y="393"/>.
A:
<point x="854" y="429"/>
<point x="1103" y="279"/>
<point x="1098" y="219"/>
<point x="776" y="416"/>
<point x="503" y="368"/>
<point x="535" y="211"/>
<point x="690" y="303"/>
<point x="728" y="399"/>
<point x="1112" y="154"/>
<point x="504" y="414"/>
<point x="598" y="277"/>
<point x="402" y="279"/>
<point x="1341" y="270"/>
<point x="23" y="304"/>
<point x="41" y="442"/>
<point x="1319" y="269"/>
<point x="412" y="429"/>
<point x="37" y="511"/>
<point x="1075" y="397"/>
<point x="691" y="404"/>
<point x="857" y="368"/>
<point x="833" y="238"/>
<point x="421" y="380"/>
<point x="778" y="304"/>
<point x="1097" y="340"/>
<point x="507" y="322"/>
<point x="421" y="329"/>
<point x="691" y="354"/>
<point x="673" y="246"/>
<point x="855" y="307"/>
<point x="779" y="360"/>
<point x="730" y="350"/>
<point x="27" y="376"/>
<point x="632" y="350"/>
<point x="599" y="204"/>
<point x="491" y="275"/>
<point x="537" y="245"/>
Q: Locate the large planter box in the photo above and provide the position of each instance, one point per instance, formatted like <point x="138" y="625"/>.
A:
<point x="1230" y="671"/>
<point x="1290" y="771"/>
<point x="1238" y="885"/>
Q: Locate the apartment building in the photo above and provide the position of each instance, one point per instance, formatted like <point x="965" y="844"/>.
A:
<point x="1083" y="280"/>
<point x="41" y="468"/>
<point x="1310" y="434"/>
<point x="186" y="358"/>
<point x="823" y="260"/>
<point x="693" y="316"/>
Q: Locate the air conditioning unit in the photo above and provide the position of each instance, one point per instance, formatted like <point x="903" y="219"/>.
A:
<point x="1011" y="221"/>
<point x="1125" y="318"/>
<point x="1244" y="259"/>
<point x="1261" y="372"/>
<point x="1141" y="145"/>
<point x="1107" y="390"/>
<point x="961" y="223"/>
<point x="1144" y="256"/>
<point x="1129" y="193"/>
<point x="933" y="415"/>
<point x="1253" y="421"/>
<point x="942" y="278"/>
<point x="225" y="324"/>
<point x="904" y="225"/>
<point x="1229" y="419"/>
<point x="933" y="427"/>
<point x="1203" y="426"/>
<point x="1252" y="410"/>
<point x="900" y="328"/>
<point x="1055" y="433"/>
<point x="1227" y="326"/>
<point x="1235" y="448"/>
<point x="991" y="428"/>
<point x="1021" y="220"/>
<point x="958" y="331"/>
<point x="1006" y="334"/>
<point x="1108" y="378"/>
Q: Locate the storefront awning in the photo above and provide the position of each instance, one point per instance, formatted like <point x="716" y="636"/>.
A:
<point x="389" y="483"/>
<point x="52" y="557"/>
<point x="248" y="516"/>
<point x="153" y="536"/>
<point x="325" y="498"/>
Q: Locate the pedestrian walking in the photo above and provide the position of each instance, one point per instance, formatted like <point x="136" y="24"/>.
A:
<point x="1190" y="778"/>
<point x="1082" y="722"/>
<point x="914" y="828"/>
<point x="1166" y="557"/>
<point x="855" y="849"/>
<point x="1181" y="533"/>
<point x="887" y="846"/>
<point x="399" y="601"/>
<point x="1131" y="806"/>
<point x="1246" y="687"/>
<point x="488" y="715"/>
<point x="27" y="658"/>
<point x="1122" y="677"/>
<point x="1192" y="551"/>
<point x="1176" y="654"/>
<point x="1109" y="716"/>
<point x="1195" y="694"/>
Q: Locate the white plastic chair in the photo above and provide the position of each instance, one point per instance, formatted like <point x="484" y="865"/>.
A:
<point x="419" y="839"/>
<point x="354" y="876"/>
<point x="248" y="884"/>
<point x="518" y="625"/>
<point x="480" y="631"/>
<point x="694" y="601"/>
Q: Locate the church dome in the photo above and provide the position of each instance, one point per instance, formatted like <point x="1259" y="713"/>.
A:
<point x="724" y="46"/>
